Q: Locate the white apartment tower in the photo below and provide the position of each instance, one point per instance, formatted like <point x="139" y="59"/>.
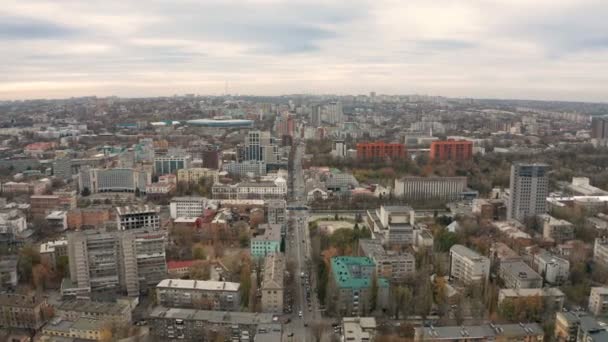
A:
<point x="468" y="266"/>
<point x="528" y="191"/>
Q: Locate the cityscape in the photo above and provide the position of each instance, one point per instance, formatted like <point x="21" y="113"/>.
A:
<point x="263" y="171"/>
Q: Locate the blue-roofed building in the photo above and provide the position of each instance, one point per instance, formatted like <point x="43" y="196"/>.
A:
<point x="352" y="282"/>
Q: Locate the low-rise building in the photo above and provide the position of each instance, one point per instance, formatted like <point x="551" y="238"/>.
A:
<point x="391" y="265"/>
<point x="8" y="272"/>
<point x="57" y="221"/>
<point x="571" y="326"/>
<point x="195" y="174"/>
<point x="552" y="295"/>
<point x="198" y="294"/>
<point x="51" y="251"/>
<point x="517" y="275"/>
<point x="555" y="270"/>
<point x="267" y="243"/>
<point x="179" y="268"/>
<point x="600" y="251"/>
<point x="80" y="329"/>
<point x="598" y="301"/>
<point x="135" y="217"/>
<point x="556" y="230"/>
<point x="92" y="217"/>
<point x="272" y="284"/>
<point x="195" y="325"/>
<point x="29" y="312"/>
<point x="74" y="309"/>
<point x="187" y="206"/>
<point x="468" y="266"/>
<point x="351" y="285"/>
<point x="358" y="329"/>
<point x="526" y="332"/>
<point x="393" y="225"/>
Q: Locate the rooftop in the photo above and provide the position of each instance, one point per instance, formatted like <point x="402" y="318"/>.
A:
<point x="219" y="317"/>
<point x="547" y="291"/>
<point x="49" y="247"/>
<point x="141" y="209"/>
<point x="203" y="285"/>
<point x="272" y="232"/>
<point x="488" y="331"/>
<point x="83" y="305"/>
<point x="466" y="252"/>
<point x="17" y="300"/>
<point x="341" y="268"/>
<point x="520" y="269"/>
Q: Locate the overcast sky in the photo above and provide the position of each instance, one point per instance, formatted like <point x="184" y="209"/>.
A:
<point x="529" y="49"/>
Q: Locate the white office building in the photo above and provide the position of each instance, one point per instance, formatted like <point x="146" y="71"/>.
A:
<point x="468" y="266"/>
<point x="529" y="188"/>
<point x="418" y="188"/>
<point x="187" y="206"/>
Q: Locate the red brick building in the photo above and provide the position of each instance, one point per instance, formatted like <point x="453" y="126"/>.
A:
<point x="380" y="150"/>
<point x="455" y="150"/>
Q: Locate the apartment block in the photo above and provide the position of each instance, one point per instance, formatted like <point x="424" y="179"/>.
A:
<point x="468" y="266"/>
<point x="452" y="150"/>
<point x="392" y="265"/>
<point x="517" y="275"/>
<point x="42" y="205"/>
<point x="267" y="243"/>
<point x="529" y="188"/>
<point x="23" y="311"/>
<point x="125" y="261"/>
<point x="135" y="217"/>
<point x="195" y="174"/>
<point x="380" y="150"/>
<point x="556" y="230"/>
<point x="8" y="272"/>
<point x="351" y="283"/>
<point x="550" y="295"/>
<point x="72" y="310"/>
<point x="598" y="301"/>
<point x="571" y="326"/>
<point x="600" y="251"/>
<point x="523" y="332"/>
<point x="358" y="329"/>
<point x="276" y="212"/>
<point x="198" y="294"/>
<point x="51" y="251"/>
<point x="554" y="269"/>
<point x="272" y="284"/>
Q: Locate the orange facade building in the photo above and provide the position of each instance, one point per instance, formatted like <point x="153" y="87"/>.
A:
<point x="380" y="150"/>
<point x="455" y="150"/>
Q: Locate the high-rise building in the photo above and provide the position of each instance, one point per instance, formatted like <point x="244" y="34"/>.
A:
<point x="380" y="150"/>
<point x="468" y="266"/>
<point x="599" y="127"/>
<point x="333" y="113"/>
<point x="339" y="150"/>
<point x="529" y="188"/>
<point x="261" y="146"/>
<point x="454" y="150"/>
<point x="126" y="261"/>
<point x="315" y="116"/>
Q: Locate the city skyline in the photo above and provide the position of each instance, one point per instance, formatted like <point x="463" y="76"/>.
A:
<point x="478" y="49"/>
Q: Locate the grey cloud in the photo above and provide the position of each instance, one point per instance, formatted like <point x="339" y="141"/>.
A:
<point x="12" y="28"/>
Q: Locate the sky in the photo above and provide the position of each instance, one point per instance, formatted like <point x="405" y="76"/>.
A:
<point x="525" y="49"/>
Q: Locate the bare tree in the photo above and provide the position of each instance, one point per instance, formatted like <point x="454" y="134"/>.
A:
<point x="319" y="329"/>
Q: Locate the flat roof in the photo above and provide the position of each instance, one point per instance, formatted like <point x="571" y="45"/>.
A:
<point x="83" y="305"/>
<point x="547" y="291"/>
<point x="203" y="285"/>
<point x="340" y="267"/>
<point x="221" y="317"/>
<point x="520" y="269"/>
<point x="466" y="252"/>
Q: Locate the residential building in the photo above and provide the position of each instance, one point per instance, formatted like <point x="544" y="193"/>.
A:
<point x="556" y="230"/>
<point x="555" y="270"/>
<point x="23" y="311"/>
<point x="551" y="296"/>
<point x="358" y="329"/>
<point x="598" y="301"/>
<point x="272" y="283"/>
<point x="426" y="188"/>
<point x="170" y="164"/>
<point x="315" y="116"/>
<point x="8" y="272"/>
<point x="12" y="222"/>
<point x="332" y="113"/>
<point x="276" y="212"/>
<point x="188" y="206"/>
<point x="600" y="251"/>
<point x="392" y="265"/>
<point x="380" y="150"/>
<point x="572" y="326"/>
<point x="517" y="275"/>
<point x="126" y="261"/>
<point x="195" y="174"/>
<point x="529" y="188"/>
<point x="468" y="266"/>
<point x="453" y="150"/>
<point x="192" y="325"/>
<point x="113" y="180"/>
<point x="72" y="310"/>
<point x="599" y="127"/>
<point x="522" y="332"/>
<point x="351" y="285"/>
<point x="339" y="149"/>
<point x="198" y="294"/>
<point x="57" y="220"/>
<point x="267" y="243"/>
<point x="135" y="217"/>
<point x="81" y="329"/>
<point x="42" y="205"/>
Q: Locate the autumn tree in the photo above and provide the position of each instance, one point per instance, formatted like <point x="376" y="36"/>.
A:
<point x="200" y="270"/>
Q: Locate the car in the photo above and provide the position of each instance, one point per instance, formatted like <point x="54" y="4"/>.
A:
<point x="290" y="334"/>
<point x="300" y="313"/>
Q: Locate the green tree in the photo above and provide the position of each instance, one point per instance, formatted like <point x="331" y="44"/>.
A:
<point x="85" y="192"/>
<point x="198" y="252"/>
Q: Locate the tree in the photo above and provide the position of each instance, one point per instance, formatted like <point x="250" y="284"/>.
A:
<point x="200" y="270"/>
<point x="198" y="252"/>
<point x="245" y="280"/>
<point x="402" y="301"/>
<point x="374" y="292"/>
<point x="62" y="265"/>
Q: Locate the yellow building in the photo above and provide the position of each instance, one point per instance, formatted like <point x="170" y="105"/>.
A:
<point x="193" y="175"/>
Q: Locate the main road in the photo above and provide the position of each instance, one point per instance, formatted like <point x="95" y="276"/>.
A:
<point x="298" y="249"/>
